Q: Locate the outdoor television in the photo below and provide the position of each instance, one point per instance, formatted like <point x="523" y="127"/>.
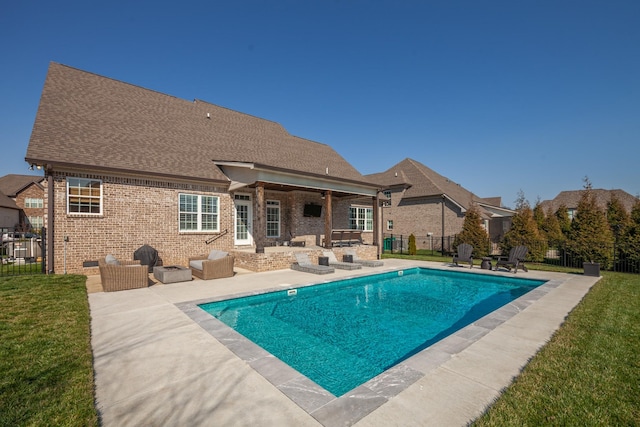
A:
<point x="311" y="210"/>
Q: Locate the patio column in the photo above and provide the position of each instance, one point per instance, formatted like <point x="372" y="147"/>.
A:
<point x="328" y="215"/>
<point x="376" y="222"/>
<point x="259" y="229"/>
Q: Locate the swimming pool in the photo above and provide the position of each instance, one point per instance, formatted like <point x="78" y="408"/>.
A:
<point x="342" y="334"/>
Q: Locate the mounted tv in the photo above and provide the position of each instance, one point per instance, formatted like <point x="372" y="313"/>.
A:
<point x="311" y="210"/>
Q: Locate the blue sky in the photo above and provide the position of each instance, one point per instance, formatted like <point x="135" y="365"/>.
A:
<point x="499" y="96"/>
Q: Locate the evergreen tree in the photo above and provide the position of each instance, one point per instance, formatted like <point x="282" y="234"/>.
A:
<point x="538" y="217"/>
<point x="629" y="241"/>
<point x="591" y="239"/>
<point x="617" y="216"/>
<point x="474" y="234"/>
<point x="552" y="230"/>
<point x="524" y="231"/>
<point x="412" y="245"/>
<point x="562" y="214"/>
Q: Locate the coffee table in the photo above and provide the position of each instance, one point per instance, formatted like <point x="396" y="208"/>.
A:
<point x="171" y="273"/>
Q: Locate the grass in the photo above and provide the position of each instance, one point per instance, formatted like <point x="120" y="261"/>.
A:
<point x="45" y="352"/>
<point x="588" y="374"/>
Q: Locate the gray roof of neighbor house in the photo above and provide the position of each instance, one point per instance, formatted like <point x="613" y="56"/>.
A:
<point x="571" y="198"/>
<point x="13" y="184"/>
<point x="7" y="202"/>
<point x="421" y="181"/>
<point x="89" y="121"/>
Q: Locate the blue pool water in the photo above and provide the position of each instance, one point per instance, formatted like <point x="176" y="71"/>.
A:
<point x="344" y="333"/>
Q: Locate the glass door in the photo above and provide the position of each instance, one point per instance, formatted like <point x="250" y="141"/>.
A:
<point x="243" y="221"/>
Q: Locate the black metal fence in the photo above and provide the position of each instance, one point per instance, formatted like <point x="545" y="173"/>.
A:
<point x="22" y="251"/>
<point x="541" y="252"/>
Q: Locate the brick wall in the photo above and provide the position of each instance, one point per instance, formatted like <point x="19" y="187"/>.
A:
<point x="422" y="216"/>
<point x="33" y="191"/>
<point x="135" y="212"/>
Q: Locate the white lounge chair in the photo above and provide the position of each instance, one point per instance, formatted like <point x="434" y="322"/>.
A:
<point x="333" y="262"/>
<point x="304" y="264"/>
<point x="365" y="262"/>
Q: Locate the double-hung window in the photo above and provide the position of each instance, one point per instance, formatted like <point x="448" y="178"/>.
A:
<point x="84" y="196"/>
<point x="273" y="218"/>
<point x="30" y="202"/>
<point x="199" y="213"/>
<point x="361" y="218"/>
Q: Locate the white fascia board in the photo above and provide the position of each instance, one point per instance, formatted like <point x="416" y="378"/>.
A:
<point x="245" y="174"/>
<point x="497" y="212"/>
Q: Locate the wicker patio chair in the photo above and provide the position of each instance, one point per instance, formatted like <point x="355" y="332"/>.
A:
<point x="465" y="251"/>
<point x="123" y="275"/>
<point x="216" y="265"/>
<point x="517" y="254"/>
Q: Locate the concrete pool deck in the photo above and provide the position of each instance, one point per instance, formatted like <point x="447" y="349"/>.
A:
<point x="159" y="361"/>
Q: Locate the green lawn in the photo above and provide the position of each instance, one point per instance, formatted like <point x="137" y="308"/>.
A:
<point x="588" y="374"/>
<point x="45" y="352"/>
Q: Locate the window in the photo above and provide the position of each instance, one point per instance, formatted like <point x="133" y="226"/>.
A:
<point x="84" y="196"/>
<point x="273" y="218"/>
<point x="387" y="194"/>
<point x="36" y="221"/>
<point x="32" y="203"/>
<point x="571" y="213"/>
<point x="199" y="213"/>
<point x="389" y="224"/>
<point x="361" y="218"/>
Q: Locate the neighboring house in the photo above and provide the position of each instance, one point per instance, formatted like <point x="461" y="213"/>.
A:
<point x="9" y="213"/>
<point x="28" y="194"/>
<point x="126" y="166"/>
<point x="422" y="202"/>
<point x="571" y="198"/>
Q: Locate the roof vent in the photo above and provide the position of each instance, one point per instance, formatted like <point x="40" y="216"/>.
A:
<point x="208" y="116"/>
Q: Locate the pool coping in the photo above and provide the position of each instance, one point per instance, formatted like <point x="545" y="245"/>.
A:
<point x="364" y="399"/>
<point x="154" y="364"/>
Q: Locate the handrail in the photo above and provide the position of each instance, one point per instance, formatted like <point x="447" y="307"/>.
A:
<point x="214" y="238"/>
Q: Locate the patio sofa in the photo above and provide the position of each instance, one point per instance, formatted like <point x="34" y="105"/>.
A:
<point x="216" y="265"/>
<point x="117" y="275"/>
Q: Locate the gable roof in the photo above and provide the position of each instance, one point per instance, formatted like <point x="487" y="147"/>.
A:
<point x="89" y="121"/>
<point x="13" y="184"/>
<point x="422" y="181"/>
<point x="7" y="202"/>
<point x="571" y="198"/>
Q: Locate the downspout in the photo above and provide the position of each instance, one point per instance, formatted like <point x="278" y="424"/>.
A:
<point x="50" y="222"/>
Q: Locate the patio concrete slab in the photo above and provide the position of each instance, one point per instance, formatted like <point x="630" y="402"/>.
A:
<point x="160" y="361"/>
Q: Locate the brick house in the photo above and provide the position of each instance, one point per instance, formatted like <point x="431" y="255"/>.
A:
<point x="571" y="198"/>
<point x="9" y="212"/>
<point x="422" y="202"/>
<point x="126" y="166"/>
<point x="27" y="192"/>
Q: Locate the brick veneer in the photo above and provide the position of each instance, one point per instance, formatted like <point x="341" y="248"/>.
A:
<point x="138" y="211"/>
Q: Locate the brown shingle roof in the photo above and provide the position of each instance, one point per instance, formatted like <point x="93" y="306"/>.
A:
<point x="12" y="184"/>
<point x="425" y="182"/>
<point x="7" y="202"/>
<point x="92" y="121"/>
<point x="571" y="198"/>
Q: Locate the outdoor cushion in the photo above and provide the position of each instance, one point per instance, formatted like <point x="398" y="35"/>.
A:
<point x="110" y="259"/>
<point x="216" y="254"/>
<point x="197" y="264"/>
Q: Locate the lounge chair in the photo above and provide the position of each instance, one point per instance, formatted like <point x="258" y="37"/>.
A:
<point x="303" y="263"/>
<point x="365" y="262"/>
<point x="517" y="254"/>
<point x="464" y="254"/>
<point x="118" y="275"/>
<point x="216" y="265"/>
<point x="333" y="262"/>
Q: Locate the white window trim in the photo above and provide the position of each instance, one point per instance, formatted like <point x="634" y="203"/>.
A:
<point x="199" y="228"/>
<point x="276" y="203"/>
<point x="101" y="197"/>
<point x="366" y="208"/>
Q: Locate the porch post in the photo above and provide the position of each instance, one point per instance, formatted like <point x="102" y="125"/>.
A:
<point x="376" y="223"/>
<point x="328" y="215"/>
<point x="50" y="221"/>
<point x="259" y="229"/>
